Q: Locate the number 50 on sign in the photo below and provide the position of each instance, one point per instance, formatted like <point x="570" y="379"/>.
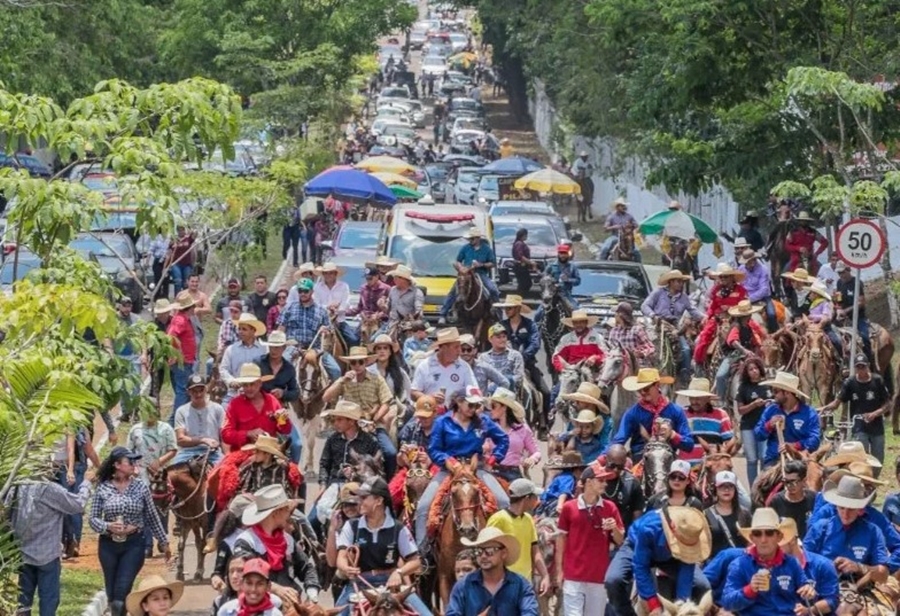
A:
<point x="860" y="243"/>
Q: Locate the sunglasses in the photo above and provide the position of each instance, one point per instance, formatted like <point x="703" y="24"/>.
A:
<point x="763" y="533"/>
<point x="303" y="292"/>
<point x="791" y="482"/>
<point x="677" y="477"/>
<point x="614" y="467"/>
<point x="489" y="551"/>
<point x="467" y="349"/>
<point x="281" y="297"/>
<point x="357" y="362"/>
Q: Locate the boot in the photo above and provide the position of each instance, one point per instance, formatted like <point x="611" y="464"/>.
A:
<point x="117" y="608"/>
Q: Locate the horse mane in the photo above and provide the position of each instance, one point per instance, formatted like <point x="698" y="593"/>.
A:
<point x="441" y="503"/>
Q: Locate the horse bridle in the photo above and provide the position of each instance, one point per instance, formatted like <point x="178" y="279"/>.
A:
<point x="455" y="509"/>
<point x="201" y="482"/>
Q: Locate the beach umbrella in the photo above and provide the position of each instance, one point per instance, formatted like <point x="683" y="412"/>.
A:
<point x="402" y="192"/>
<point x="678" y="223"/>
<point x="548" y="181"/>
<point x="350" y="184"/>
<point x="393" y="179"/>
<point x="514" y="165"/>
<point x="387" y="164"/>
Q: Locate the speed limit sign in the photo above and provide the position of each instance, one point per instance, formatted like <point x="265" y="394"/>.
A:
<point x="860" y="243"/>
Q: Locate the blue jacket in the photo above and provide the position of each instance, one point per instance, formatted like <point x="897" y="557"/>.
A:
<point x="636" y="416"/>
<point x="526" y="339"/>
<point x="557" y="269"/>
<point x="779" y="600"/>
<point x="597" y="444"/>
<point x="564" y="483"/>
<point x="821" y="573"/>
<point x="862" y="541"/>
<point x="648" y="541"/>
<point x="891" y="508"/>
<point x="801" y="426"/>
<point x="716" y="570"/>
<point x="823" y="510"/>
<point x="515" y="597"/>
<point x="448" y="439"/>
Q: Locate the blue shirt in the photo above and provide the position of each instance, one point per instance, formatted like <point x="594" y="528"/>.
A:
<point x="483" y="254"/>
<point x="564" y="483"/>
<point x="637" y="416"/>
<point x="449" y="439"/>
<point x="526" y="339"/>
<point x="891" y="507"/>
<point x="591" y="449"/>
<point x="823" y="510"/>
<point x="650" y="547"/>
<point x="716" y="570"/>
<point x="302" y="323"/>
<point x="861" y="542"/>
<point x="515" y="597"/>
<point x="557" y="269"/>
<point x="801" y="426"/>
<point x="779" y="600"/>
<point x="411" y="345"/>
<point x="823" y="576"/>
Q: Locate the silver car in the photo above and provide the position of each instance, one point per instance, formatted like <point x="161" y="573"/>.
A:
<point x="464" y="185"/>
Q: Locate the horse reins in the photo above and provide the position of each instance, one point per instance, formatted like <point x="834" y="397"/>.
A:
<point x="353" y="561"/>
<point x="480" y="284"/>
<point x="201" y="482"/>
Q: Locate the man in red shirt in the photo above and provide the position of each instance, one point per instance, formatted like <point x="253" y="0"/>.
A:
<point x="726" y="293"/>
<point x="253" y="411"/>
<point x="583" y="342"/>
<point x="800" y="244"/>
<point x="181" y="330"/>
<point x="589" y="526"/>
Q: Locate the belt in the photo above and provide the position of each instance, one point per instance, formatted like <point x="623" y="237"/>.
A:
<point x="378" y="572"/>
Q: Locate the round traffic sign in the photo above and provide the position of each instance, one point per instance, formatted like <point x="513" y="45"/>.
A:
<point x="860" y="243"/>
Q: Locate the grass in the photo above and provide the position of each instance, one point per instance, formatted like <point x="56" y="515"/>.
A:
<point x="78" y="587"/>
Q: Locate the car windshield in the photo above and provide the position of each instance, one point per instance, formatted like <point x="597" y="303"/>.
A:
<point x="358" y="237"/>
<point x="468" y="124"/>
<point x="353" y="275"/>
<point x="489" y="182"/>
<point x="538" y="208"/>
<point x="464" y="103"/>
<point x="622" y="283"/>
<point x="427" y="256"/>
<point x="437" y="172"/>
<point x="467" y="177"/>
<point x="395" y="93"/>
<point x="538" y="235"/>
<point x="103" y="246"/>
<point x="26" y="265"/>
<point x="433" y="61"/>
<point x="400" y="131"/>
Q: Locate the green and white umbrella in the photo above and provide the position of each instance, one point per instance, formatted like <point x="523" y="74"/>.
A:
<point x="677" y="223"/>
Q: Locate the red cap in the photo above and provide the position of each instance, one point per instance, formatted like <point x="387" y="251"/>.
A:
<point x="257" y="566"/>
<point x="564" y="248"/>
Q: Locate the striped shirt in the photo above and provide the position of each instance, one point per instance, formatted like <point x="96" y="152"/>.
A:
<point x="712" y="424"/>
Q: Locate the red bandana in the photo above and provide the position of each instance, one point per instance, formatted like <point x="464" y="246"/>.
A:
<point x="276" y="547"/>
<point x="250" y="610"/>
<point x="775" y="561"/>
<point x="661" y="403"/>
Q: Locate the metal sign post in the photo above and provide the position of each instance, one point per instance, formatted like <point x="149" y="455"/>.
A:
<point x="860" y="244"/>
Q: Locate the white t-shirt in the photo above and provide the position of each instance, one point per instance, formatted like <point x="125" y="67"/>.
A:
<point x="230" y="608"/>
<point x="828" y="276"/>
<point x="431" y="377"/>
<point x="338" y="294"/>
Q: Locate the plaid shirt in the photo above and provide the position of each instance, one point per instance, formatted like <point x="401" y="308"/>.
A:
<point x="302" y="323"/>
<point x="255" y="476"/>
<point x="634" y="339"/>
<point x="369" y="394"/>
<point x="227" y="335"/>
<point x="135" y="505"/>
<point x="413" y="434"/>
<point x="368" y="299"/>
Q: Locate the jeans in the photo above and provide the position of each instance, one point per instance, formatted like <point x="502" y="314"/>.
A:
<point x="180" y="275"/>
<point x="349" y="333"/>
<point x="72" y="523"/>
<point x="290" y="237"/>
<point x="389" y="450"/>
<point x="431" y="491"/>
<point x="862" y="327"/>
<point x="413" y="602"/>
<point x="121" y="563"/>
<point x="296" y="445"/>
<point x="331" y="366"/>
<point x="684" y="357"/>
<point x="577" y="596"/>
<point x="874" y="444"/>
<point x="836" y="341"/>
<point x="755" y="451"/>
<point x="180" y="375"/>
<point x="610" y="243"/>
<point x="451" y="297"/>
<point x="722" y="377"/>
<point x="45" y="580"/>
<point x="771" y="319"/>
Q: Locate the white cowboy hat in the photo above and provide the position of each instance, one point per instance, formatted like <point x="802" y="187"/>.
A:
<point x="278" y="339"/>
<point x="687" y="534"/>
<point x="162" y="306"/>
<point x="248" y="319"/>
<point x="849" y="493"/>
<point x="147" y="586"/>
<point x="674" y="205"/>
<point x="818" y="287"/>
<point x="401" y="271"/>
<point x="748" y="255"/>
<point x="382" y="261"/>
<point x="800" y="275"/>
<point x="697" y="388"/>
<point x="265" y="501"/>
<point x="307" y="267"/>
<point x="266" y="443"/>
<point x="587" y="416"/>
<point x="426" y="200"/>
<point x="587" y="392"/>
<point x="851" y="451"/>
<point x="345" y="409"/>
<point x="580" y="315"/>
<point x="329" y="268"/>
<point x="787" y="382"/>
<point x="740" y="242"/>
<point x="446" y="336"/>
<point x="644" y="378"/>
<point x="724" y="269"/>
<point x="803" y="215"/>
<point x="357" y="352"/>
<point x="385" y="340"/>
<point x="473" y="233"/>
<point x="620" y="201"/>
<point x="764" y="518"/>
<point x="670" y="276"/>
<point x="251" y="373"/>
<point x="508" y="399"/>
<point x="744" y="309"/>
<point x="861" y="470"/>
<point x="492" y="534"/>
<point x="514" y="301"/>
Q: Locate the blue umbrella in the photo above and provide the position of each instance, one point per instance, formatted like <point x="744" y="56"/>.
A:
<point x="350" y="184"/>
<point x="514" y="165"/>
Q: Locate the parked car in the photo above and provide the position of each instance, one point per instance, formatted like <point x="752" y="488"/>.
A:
<point x="417" y="36"/>
<point x="32" y="164"/>
<point x="488" y="190"/>
<point x="606" y="283"/>
<point x="462" y="140"/>
<point x="117" y="255"/>
<point x="392" y="93"/>
<point x="536" y="208"/>
<point x="434" y="180"/>
<point x="434" y="65"/>
<point x="458" y="41"/>
<point x="354" y="237"/>
<point x="462" y="185"/>
<point x="27" y="262"/>
<point x="542" y="240"/>
<point x="401" y="134"/>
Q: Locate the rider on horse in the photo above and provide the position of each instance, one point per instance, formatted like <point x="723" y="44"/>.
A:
<point x="758" y="284"/>
<point x="406" y="300"/>
<point x="591" y="425"/>
<point x="710" y="425"/>
<point x="476" y="256"/>
<point x="669" y="303"/>
<point x="818" y="569"/>
<point x="845" y="298"/>
<point x="504" y="359"/>
<point x="619" y="219"/>
<point x="631" y="337"/>
<point x="725" y="294"/>
<point x="525" y="337"/>
<point x="797" y="292"/>
<point x="487" y="377"/>
<point x="443" y="374"/>
<point x="253" y="412"/>
<point x="821" y="311"/>
<point x="801" y="245"/>
<point x="744" y="340"/>
<point x="798" y="421"/>
<point x="565" y="273"/>
<point x="304" y="321"/>
<point x="582" y="343"/>
<point x="372" y="294"/>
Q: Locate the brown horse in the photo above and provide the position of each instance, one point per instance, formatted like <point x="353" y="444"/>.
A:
<point x="777" y="254"/>
<point x="777" y="351"/>
<point x="217" y="388"/>
<point x="624" y="247"/>
<point x="418" y="476"/>
<point x="818" y="366"/>
<point x="368" y="326"/>
<point x="313" y="381"/>
<point x="188" y="481"/>
<point x="769" y="482"/>
<point x="383" y="602"/>
<point x="473" y="305"/>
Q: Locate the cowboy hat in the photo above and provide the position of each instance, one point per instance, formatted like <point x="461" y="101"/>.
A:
<point x="304" y="268"/>
<point x="251" y="373"/>
<point x="382" y="261"/>
<point x="328" y="268"/>
<point x="725" y="269"/>
<point x="147" y="586"/>
<point x="446" y="336"/>
<point x="620" y="201"/>
<point x="800" y="275"/>
<point x="586" y="392"/>
<point x="248" y="319"/>
<point x="750" y="216"/>
<point x="861" y="470"/>
<point x="357" y="352"/>
<point x="345" y="409"/>
<point x="473" y="233"/>
<point x="491" y="534"/>
<point x="385" y="340"/>
<point x="278" y="339"/>
<point x="183" y="301"/>
<point x="162" y="306"/>
<point x="401" y="271"/>
<point x="804" y="215"/>
<point x="789" y="531"/>
<point x="265" y="501"/>
<point x="852" y="451"/>
<point x="687" y="534"/>
<point x="266" y="443"/>
<point x="748" y="255"/>
<point x="744" y="309"/>
<point x="764" y="518"/>
<point x="818" y="287"/>
<point x="580" y="315"/>
<point x="741" y="243"/>
<point x="467" y="340"/>
<point x="644" y="378"/>
<point x="508" y="399"/>
<point x="849" y="493"/>
<point x="587" y="416"/>
<point x="568" y="459"/>
<point x="670" y="276"/>
<point x="348" y="494"/>
<point x="787" y="382"/>
<point x="426" y="200"/>
<point x="674" y="205"/>
<point x="697" y="388"/>
<point x="514" y="301"/>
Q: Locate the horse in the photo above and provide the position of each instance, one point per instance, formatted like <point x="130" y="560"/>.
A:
<point x="569" y="380"/>
<point x="188" y="481"/>
<point x="556" y="308"/>
<point x="658" y="457"/>
<point x="679" y="258"/>
<point x="547" y="532"/>
<point x="533" y="402"/>
<point x="623" y="250"/>
<point x="865" y="599"/>
<point x="777" y="254"/>
<point x="473" y="305"/>
<point x="383" y="602"/>
<point x="313" y="381"/>
<point x="364" y="466"/>
<point x="418" y="476"/>
<point x="618" y="364"/>
<point x="669" y="351"/>
<point x="777" y="351"/>
<point x="769" y="482"/>
<point x="817" y="366"/>
<point x="678" y="608"/>
<point x="217" y="388"/>
<point x="586" y="199"/>
<point x="368" y="327"/>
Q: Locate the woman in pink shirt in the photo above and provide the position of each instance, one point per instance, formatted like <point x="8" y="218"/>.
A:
<point x="523" y="451"/>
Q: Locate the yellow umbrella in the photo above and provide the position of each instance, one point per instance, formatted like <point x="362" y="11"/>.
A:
<point x="394" y="179"/>
<point x="385" y="163"/>
<point x="549" y="181"/>
<point x="465" y="55"/>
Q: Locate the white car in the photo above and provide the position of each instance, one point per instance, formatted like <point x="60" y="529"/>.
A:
<point x="434" y="65"/>
<point x="392" y="93"/>
<point x="417" y="37"/>
<point x="380" y="124"/>
<point x="397" y="134"/>
<point x="412" y="109"/>
<point x="458" y="41"/>
<point x="461" y="124"/>
<point x="394" y="113"/>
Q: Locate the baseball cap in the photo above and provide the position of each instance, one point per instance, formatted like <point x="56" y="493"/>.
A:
<point x="496" y="328"/>
<point x="257" y="566"/>
<point x="123" y="452"/>
<point x="861" y="360"/>
<point x="595" y="471"/>
<point x="521" y="488"/>
<point x="372" y="271"/>
<point x="375" y="486"/>
<point x="474" y="395"/>
<point x="680" y="466"/>
<point x="726" y="478"/>
<point x="425" y="406"/>
<point x="195" y="380"/>
<point x="125" y="300"/>
<point x="304" y="284"/>
<point x="234" y="282"/>
<point x="348" y="494"/>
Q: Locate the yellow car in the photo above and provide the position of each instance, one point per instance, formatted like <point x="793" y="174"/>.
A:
<point x="427" y="239"/>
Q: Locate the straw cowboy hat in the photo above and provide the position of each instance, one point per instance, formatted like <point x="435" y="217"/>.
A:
<point x="744" y="309"/>
<point x="162" y="306"/>
<point x="250" y="373"/>
<point x="787" y="382"/>
<point x="586" y="392"/>
<point x="514" y="301"/>
<point x="804" y="215"/>
<point x="852" y="451"/>
<point x="860" y="470"/>
<point x="345" y="409"/>
<point x="587" y="416"/>
<point x="670" y="276"/>
<point x="385" y="340"/>
<point x="818" y="287"/>
<point x="800" y="275"/>
<point x="278" y="339"/>
<point x="446" y="336"/>
<point x="382" y="261"/>
<point x="740" y="242"/>
<point x="357" y="352"/>
<point x="329" y="268"/>
<point x="674" y="205"/>
<point x="473" y="233"/>
<point x="644" y="378"/>
<point x="697" y="388"/>
<point x="305" y="268"/>
<point x="764" y="518"/>
<point x="265" y="501"/>
<point x="248" y="319"/>
<point x="401" y="271"/>
<point x="491" y="534"/>
<point x="789" y="531"/>
<point x="849" y="493"/>
<point x="266" y="443"/>
<point x="580" y="315"/>
<point x="568" y="459"/>
<point x="183" y="301"/>
<point x="508" y="399"/>
<point x="748" y="255"/>
<point x="687" y="534"/>
<point x="147" y="586"/>
<point x="724" y="269"/>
